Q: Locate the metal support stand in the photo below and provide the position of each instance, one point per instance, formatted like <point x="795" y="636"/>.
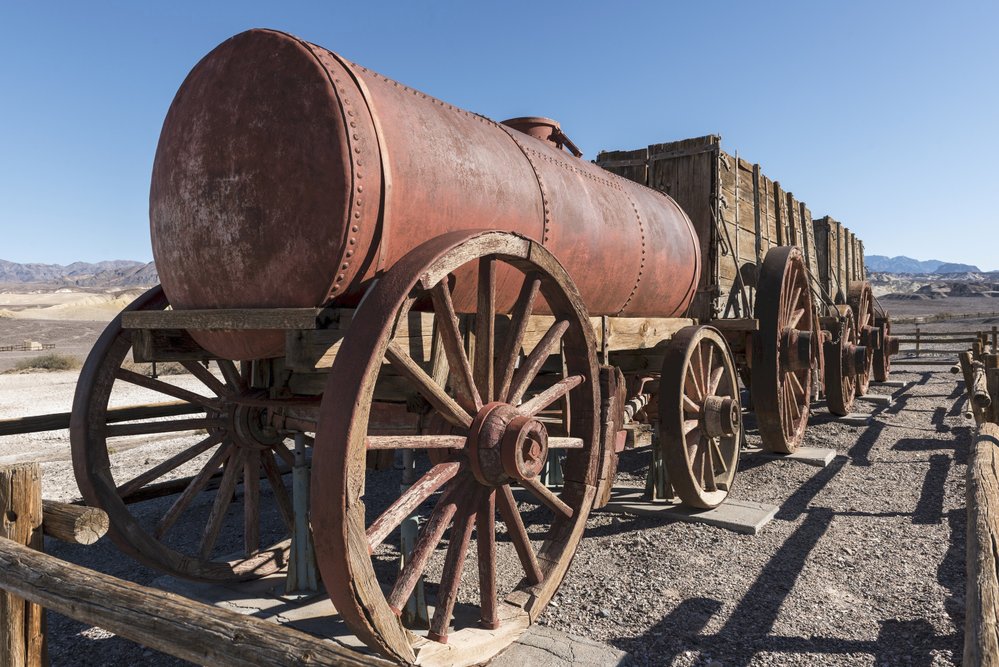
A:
<point x="302" y="568"/>
<point x="657" y="486"/>
<point x="415" y="613"/>
<point x="551" y="471"/>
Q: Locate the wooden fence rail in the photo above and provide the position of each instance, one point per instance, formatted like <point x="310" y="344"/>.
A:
<point x="31" y="581"/>
<point x="981" y="638"/>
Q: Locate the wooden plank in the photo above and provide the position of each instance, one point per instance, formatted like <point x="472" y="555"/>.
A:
<point x="632" y="165"/>
<point x="981" y="632"/>
<point x="175" y="625"/>
<point x="230" y="319"/>
<point x="741" y="516"/>
<point x="819" y="457"/>
<point x="757" y="217"/>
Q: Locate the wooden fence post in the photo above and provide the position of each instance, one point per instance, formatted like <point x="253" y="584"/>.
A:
<point x="917" y="341"/>
<point x="981" y="636"/>
<point x="22" y="623"/>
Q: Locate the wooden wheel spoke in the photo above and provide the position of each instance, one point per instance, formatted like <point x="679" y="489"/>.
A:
<point x="689" y="425"/>
<point x="718" y="455"/>
<point x="519" y="318"/>
<point x="691" y="383"/>
<point x="460" y="368"/>
<point x="165" y="426"/>
<point x="171" y="463"/>
<point x="707" y="369"/>
<point x="416" y="441"/>
<point x="795" y="317"/>
<point x="232" y="374"/>
<point x="281" y="497"/>
<point x="425" y="384"/>
<point x="690" y="405"/>
<point x="251" y="501"/>
<point x="547" y="497"/>
<point x="795" y="383"/>
<point x="550" y="395"/>
<point x="485" y="531"/>
<point x="485" y="329"/>
<point x="426" y="541"/>
<point x="697" y="461"/>
<point x="715" y="379"/>
<point x="196" y="486"/>
<point x="793" y="300"/>
<point x="206" y="377"/>
<point x="407" y="503"/>
<point x="692" y="439"/>
<point x="286" y="454"/>
<point x="223" y="498"/>
<point x="709" y="467"/>
<point x="454" y="563"/>
<point x="166" y="388"/>
<point x="535" y="360"/>
<point x="793" y="403"/>
<point x="518" y="535"/>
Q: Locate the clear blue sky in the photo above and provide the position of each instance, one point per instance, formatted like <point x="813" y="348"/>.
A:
<point x="882" y="114"/>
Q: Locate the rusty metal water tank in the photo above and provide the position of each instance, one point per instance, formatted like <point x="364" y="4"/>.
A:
<point x="287" y="176"/>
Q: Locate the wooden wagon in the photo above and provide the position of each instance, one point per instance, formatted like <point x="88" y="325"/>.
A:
<point x="432" y="290"/>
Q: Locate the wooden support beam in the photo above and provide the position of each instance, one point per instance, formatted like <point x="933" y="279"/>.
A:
<point x="190" y="630"/>
<point x="60" y="420"/>
<point x="981" y="634"/>
<point x="22" y="623"/>
<point x="207" y="320"/>
<point x="76" y="524"/>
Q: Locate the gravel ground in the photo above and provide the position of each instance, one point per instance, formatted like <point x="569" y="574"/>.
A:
<point x="864" y="563"/>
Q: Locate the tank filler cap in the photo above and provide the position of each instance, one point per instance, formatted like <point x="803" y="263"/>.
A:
<point x="544" y="129"/>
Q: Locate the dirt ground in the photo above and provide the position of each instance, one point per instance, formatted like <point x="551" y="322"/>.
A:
<point x="863" y="565"/>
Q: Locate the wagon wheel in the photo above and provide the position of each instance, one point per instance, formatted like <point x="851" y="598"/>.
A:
<point x="841" y="363"/>
<point x="498" y="444"/>
<point x="700" y="416"/>
<point x="882" y="354"/>
<point x="225" y="445"/>
<point x="785" y="350"/>
<point x="860" y="298"/>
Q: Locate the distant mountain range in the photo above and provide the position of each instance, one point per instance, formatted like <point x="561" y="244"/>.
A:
<point x="115" y="273"/>
<point x="901" y="264"/>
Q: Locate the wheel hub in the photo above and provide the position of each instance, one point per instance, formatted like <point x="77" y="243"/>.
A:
<point x="720" y="417"/>
<point x="797" y="351"/>
<point x="854" y="359"/>
<point x="505" y="445"/>
<point x="249" y="424"/>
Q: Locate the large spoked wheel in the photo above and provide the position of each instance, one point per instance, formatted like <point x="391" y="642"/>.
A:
<point x="208" y="439"/>
<point x="882" y="355"/>
<point x="785" y="350"/>
<point x="860" y="298"/>
<point x="842" y="358"/>
<point x="700" y="416"/>
<point x="496" y="442"/>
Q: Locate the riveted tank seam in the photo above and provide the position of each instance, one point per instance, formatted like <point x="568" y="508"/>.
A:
<point x="546" y="206"/>
<point x="354" y="145"/>
<point x="386" y="167"/>
<point x="641" y="265"/>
